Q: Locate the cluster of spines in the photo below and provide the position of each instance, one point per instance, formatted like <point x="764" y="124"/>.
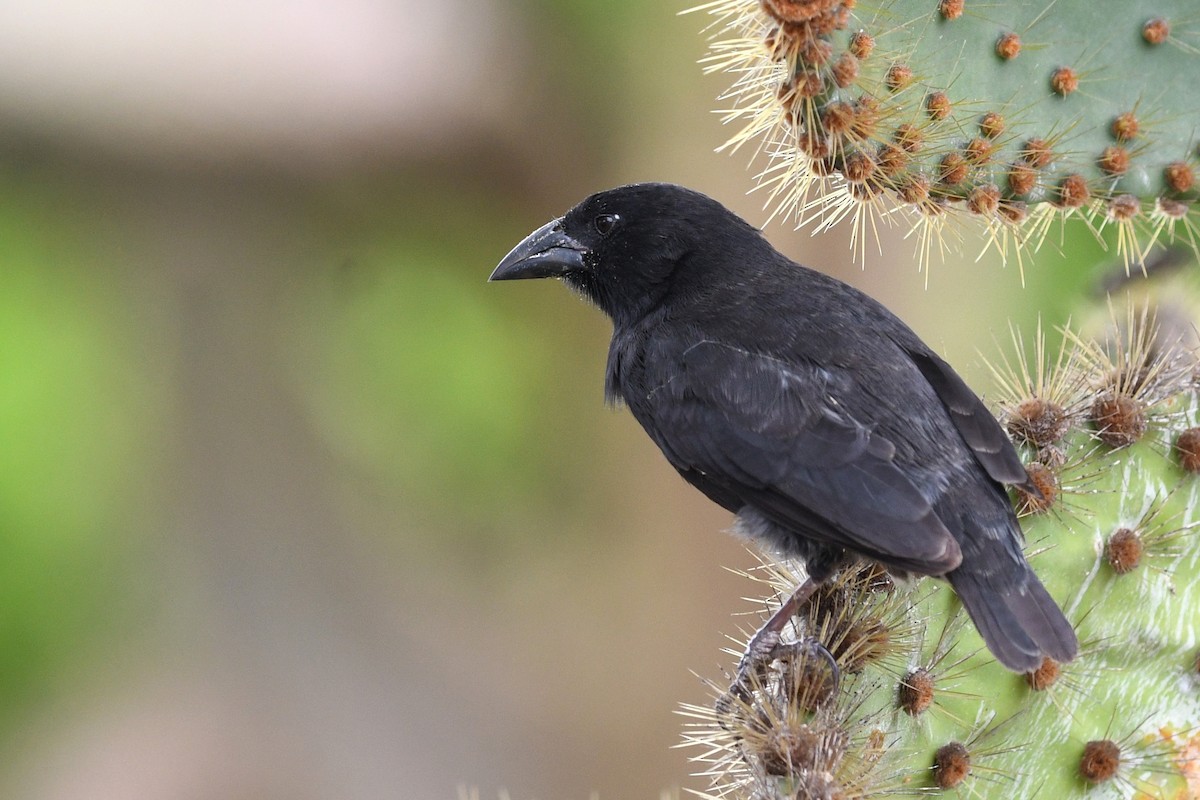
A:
<point x="853" y="130"/>
<point x="904" y="678"/>
<point x="1119" y="391"/>
<point x="800" y="729"/>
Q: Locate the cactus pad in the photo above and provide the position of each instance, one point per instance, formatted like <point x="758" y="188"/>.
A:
<point x="1013" y="114"/>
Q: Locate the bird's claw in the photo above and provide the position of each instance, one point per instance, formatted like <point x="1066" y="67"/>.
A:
<point x="760" y="650"/>
<point x="767" y="647"/>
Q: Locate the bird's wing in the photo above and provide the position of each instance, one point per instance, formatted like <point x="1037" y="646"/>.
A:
<point x="977" y="425"/>
<point x="771" y="433"/>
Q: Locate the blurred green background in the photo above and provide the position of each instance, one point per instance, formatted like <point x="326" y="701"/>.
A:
<point x="292" y="503"/>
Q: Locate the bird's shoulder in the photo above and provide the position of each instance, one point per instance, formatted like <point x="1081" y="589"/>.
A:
<point x="683" y="376"/>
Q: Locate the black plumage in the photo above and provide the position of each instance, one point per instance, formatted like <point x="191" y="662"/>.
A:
<point x="801" y="404"/>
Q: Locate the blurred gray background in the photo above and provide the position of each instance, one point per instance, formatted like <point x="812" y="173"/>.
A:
<point x="292" y="503"/>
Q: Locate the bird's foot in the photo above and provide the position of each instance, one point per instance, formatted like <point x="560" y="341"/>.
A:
<point x="767" y="645"/>
<point x="808" y="678"/>
<point x="809" y="653"/>
<point x="760" y="652"/>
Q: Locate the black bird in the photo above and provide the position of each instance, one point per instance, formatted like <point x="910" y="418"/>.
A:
<point x="801" y="404"/>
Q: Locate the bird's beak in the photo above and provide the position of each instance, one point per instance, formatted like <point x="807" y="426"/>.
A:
<point x="548" y="252"/>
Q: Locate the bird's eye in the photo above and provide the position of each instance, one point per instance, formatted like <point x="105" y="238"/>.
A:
<point x="605" y="223"/>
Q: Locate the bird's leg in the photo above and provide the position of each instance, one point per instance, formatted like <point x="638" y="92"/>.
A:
<point x="765" y="643"/>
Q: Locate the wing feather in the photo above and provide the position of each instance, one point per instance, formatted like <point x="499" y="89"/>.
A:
<point x="772" y="434"/>
<point x="974" y="422"/>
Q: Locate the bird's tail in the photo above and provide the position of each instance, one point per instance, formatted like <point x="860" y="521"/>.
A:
<point x="1019" y="621"/>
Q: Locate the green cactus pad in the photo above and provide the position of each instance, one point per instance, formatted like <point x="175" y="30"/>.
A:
<point x="1013" y="113"/>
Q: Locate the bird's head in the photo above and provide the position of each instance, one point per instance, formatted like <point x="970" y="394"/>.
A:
<point x="623" y="248"/>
